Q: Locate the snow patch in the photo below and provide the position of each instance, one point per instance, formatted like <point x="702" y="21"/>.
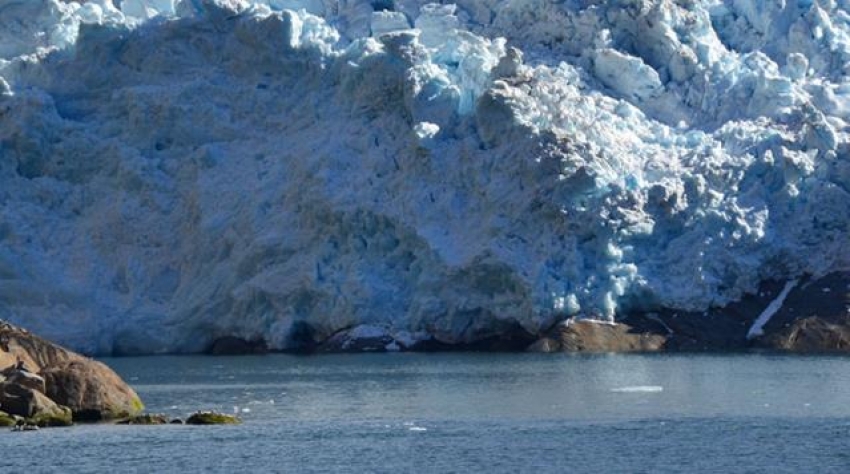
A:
<point x="757" y="329"/>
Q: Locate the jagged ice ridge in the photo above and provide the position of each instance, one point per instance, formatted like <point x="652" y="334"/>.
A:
<point x="176" y="171"/>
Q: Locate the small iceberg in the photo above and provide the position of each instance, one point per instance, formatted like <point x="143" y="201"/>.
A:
<point x="639" y="389"/>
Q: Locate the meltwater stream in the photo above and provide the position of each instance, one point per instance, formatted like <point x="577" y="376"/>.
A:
<point x="468" y="413"/>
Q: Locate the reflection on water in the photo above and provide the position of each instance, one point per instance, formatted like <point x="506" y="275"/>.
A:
<point x="477" y="412"/>
<point x="502" y="386"/>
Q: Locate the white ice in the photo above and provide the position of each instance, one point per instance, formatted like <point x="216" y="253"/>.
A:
<point x="757" y="329"/>
<point x="639" y="389"/>
<point x="176" y="171"/>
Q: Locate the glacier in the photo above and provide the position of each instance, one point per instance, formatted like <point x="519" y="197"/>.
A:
<point x="176" y="171"/>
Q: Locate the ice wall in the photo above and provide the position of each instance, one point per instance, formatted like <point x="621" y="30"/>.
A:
<point x="176" y="171"/>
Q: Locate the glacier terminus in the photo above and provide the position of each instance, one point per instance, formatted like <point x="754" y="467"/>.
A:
<point x="173" y="172"/>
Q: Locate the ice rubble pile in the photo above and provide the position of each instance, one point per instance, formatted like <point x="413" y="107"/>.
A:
<point x="176" y="171"/>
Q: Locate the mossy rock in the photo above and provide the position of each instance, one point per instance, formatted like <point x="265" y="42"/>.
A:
<point x="212" y="418"/>
<point x="7" y="419"/>
<point x="59" y="417"/>
<point x="136" y="404"/>
<point x="146" y="419"/>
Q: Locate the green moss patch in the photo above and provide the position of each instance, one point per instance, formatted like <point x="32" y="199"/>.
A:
<point x="146" y="419"/>
<point x="212" y="418"/>
<point x="60" y="417"/>
<point x="6" y="419"/>
<point x="137" y="405"/>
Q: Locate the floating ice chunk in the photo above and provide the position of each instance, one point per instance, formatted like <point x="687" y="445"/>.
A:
<point x="639" y="389"/>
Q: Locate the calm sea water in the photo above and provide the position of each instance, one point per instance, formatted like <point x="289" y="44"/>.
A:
<point x="468" y="413"/>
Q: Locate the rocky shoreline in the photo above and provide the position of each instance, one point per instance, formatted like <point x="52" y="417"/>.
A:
<point x="809" y="315"/>
<point x="44" y="385"/>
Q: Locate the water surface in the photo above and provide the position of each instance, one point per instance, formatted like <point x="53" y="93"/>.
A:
<point x="468" y="412"/>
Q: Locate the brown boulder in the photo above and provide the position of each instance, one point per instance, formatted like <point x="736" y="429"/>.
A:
<point x="594" y="336"/>
<point x="35" y="352"/>
<point x="545" y="345"/>
<point x="26" y="379"/>
<point x="812" y="334"/>
<point x="91" y="389"/>
<point x="814" y="317"/>
<point x="28" y="403"/>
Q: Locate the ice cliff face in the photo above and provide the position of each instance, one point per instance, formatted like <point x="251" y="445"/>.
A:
<point x="176" y="171"/>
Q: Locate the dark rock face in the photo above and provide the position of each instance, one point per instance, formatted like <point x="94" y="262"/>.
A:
<point x="232" y="345"/>
<point x="343" y="342"/>
<point x="17" y="400"/>
<point x="510" y="337"/>
<point x="32" y="404"/>
<point x="26" y="379"/>
<point x="89" y="389"/>
<point x="812" y="334"/>
<point x="814" y="317"/>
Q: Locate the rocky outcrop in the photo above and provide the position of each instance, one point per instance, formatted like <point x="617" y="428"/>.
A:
<point x="372" y="338"/>
<point x="360" y="339"/>
<point x="593" y="336"/>
<point x="26" y="379"/>
<point x="33" y="405"/>
<point x="145" y="419"/>
<point x="232" y="345"/>
<point x="812" y="334"/>
<point x="812" y="316"/>
<point x="212" y="418"/>
<point x="92" y="390"/>
<point x="38" y="371"/>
